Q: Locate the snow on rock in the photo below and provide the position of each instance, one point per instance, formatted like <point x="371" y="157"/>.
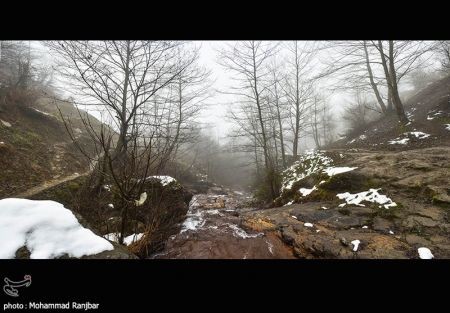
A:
<point x="165" y="180"/>
<point x="293" y="216"/>
<point x="399" y="141"/>
<point x="370" y="196"/>
<point x="308" y="225"/>
<point x="391" y="232"/>
<point x="447" y="126"/>
<point x="289" y="203"/>
<point x="47" y="228"/>
<point x="324" y="208"/>
<point x="365" y="227"/>
<point x="355" y="244"/>
<point x="338" y="170"/>
<point x="111" y="205"/>
<point x="420" y="135"/>
<point x="310" y="162"/>
<point x="425" y="253"/>
<point x="306" y="191"/>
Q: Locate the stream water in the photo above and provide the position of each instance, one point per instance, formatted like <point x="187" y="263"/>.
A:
<point x="212" y="230"/>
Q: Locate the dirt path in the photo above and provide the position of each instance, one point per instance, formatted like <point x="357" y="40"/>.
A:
<point x="212" y="231"/>
<point x="48" y="184"/>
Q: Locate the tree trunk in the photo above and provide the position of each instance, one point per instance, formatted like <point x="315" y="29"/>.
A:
<point x="372" y="82"/>
<point x="395" y="95"/>
<point x="392" y="81"/>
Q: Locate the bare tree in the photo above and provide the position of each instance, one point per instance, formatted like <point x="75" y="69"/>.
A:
<point x="248" y="60"/>
<point x="128" y="82"/>
<point x="298" y="87"/>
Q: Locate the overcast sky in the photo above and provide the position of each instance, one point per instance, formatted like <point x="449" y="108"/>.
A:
<point x="215" y="112"/>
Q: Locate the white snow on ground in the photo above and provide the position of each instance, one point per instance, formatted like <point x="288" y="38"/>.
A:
<point x="308" y="225"/>
<point x="306" y="191"/>
<point x="420" y="135"/>
<point x="293" y="216"/>
<point x="107" y="187"/>
<point x="127" y="240"/>
<point x="111" y="205"/>
<point x="289" y="203"/>
<point x="239" y="193"/>
<point x="338" y="170"/>
<point x="399" y="141"/>
<point x="371" y="196"/>
<point x="391" y="232"/>
<point x="2" y="143"/>
<point x="324" y="208"/>
<point x="165" y="180"/>
<point x="355" y="244"/>
<point x="404" y="141"/>
<point x="433" y="114"/>
<point x="310" y="162"/>
<point x="425" y="253"/>
<point x="365" y="227"/>
<point x="447" y="126"/>
<point x="362" y="137"/>
<point x="47" y="228"/>
<point x="351" y="141"/>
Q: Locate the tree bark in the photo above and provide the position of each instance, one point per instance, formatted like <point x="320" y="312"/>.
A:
<point x="372" y="82"/>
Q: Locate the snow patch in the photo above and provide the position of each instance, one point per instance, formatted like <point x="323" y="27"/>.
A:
<point x="355" y="244"/>
<point x="370" y="196"/>
<point x="338" y="170"/>
<point x="47" y="228"/>
<point x="165" y="180"/>
<point x="447" y="126"/>
<point x="111" y="205"/>
<point x="308" y="225"/>
<point x="425" y="253"/>
<point x="310" y="162"/>
<point x="306" y="191"/>
<point x="399" y="141"/>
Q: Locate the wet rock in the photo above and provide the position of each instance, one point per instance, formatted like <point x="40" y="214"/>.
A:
<point x="381" y="224"/>
<point x="413" y="221"/>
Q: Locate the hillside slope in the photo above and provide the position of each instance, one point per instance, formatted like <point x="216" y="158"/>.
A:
<point x="34" y="144"/>
<point x="383" y="193"/>
<point x="429" y="114"/>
